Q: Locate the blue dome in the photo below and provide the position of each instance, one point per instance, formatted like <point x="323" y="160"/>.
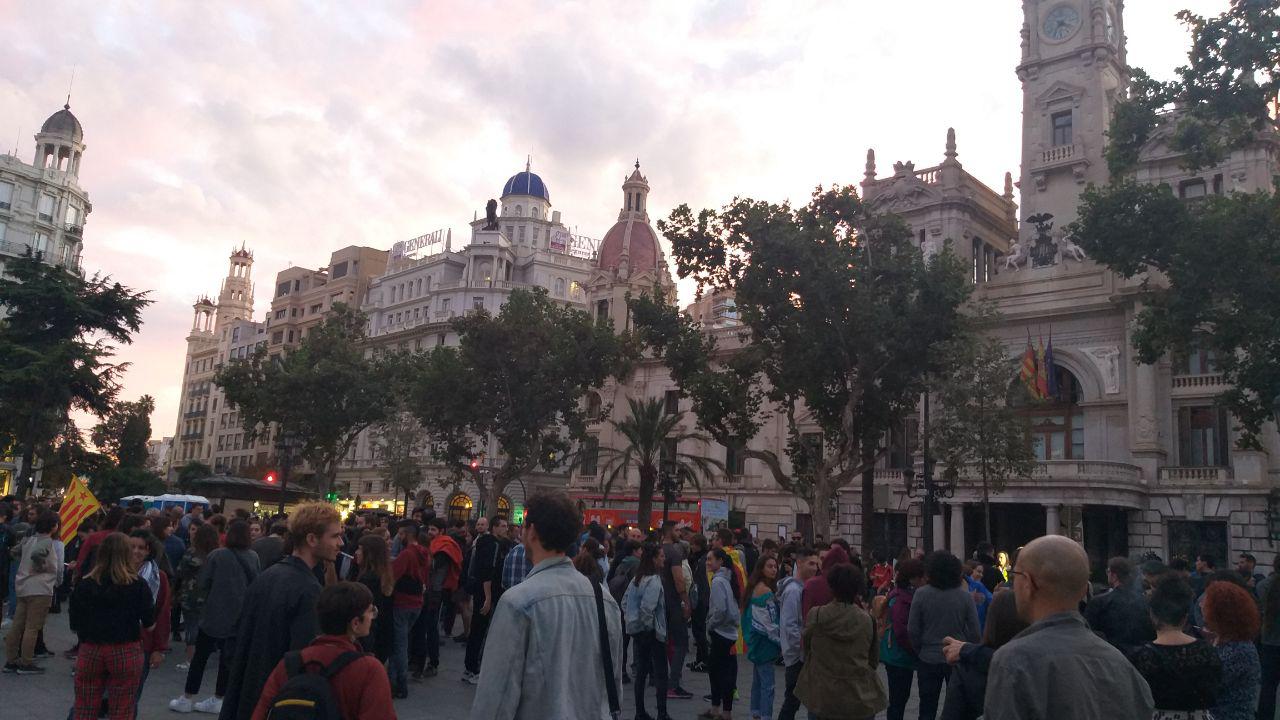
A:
<point x="526" y="183"/>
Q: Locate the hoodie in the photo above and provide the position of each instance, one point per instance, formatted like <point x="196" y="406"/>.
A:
<point x="816" y="590"/>
<point x="722" y="612"/>
<point x="443" y="544"/>
<point x="791" y="622"/>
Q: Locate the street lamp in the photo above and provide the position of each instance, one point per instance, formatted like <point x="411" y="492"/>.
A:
<point x="670" y="482"/>
<point x="286" y="444"/>
<point x="922" y="485"/>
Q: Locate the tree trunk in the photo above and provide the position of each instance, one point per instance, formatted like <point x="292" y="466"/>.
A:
<point x="868" y="504"/>
<point x="820" y="511"/>
<point x="491" y="497"/>
<point x="644" y="508"/>
<point x="23" y="483"/>
<point x="986" y="504"/>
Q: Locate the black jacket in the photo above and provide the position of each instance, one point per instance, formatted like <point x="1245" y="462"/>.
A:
<point x="991" y="577"/>
<point x="1122" y="618"/>
<point x="279" y="615"/>
<point x="968" y="684"/>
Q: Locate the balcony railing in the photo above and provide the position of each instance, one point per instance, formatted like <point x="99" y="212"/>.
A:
<point x="75" y="230"/>
<point x="1058" y="154"/>
<point x="1195" y="475"/>
<point x="1210" y="383"/>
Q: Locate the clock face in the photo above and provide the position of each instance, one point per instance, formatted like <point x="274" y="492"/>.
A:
<point x="1061" y="23"/>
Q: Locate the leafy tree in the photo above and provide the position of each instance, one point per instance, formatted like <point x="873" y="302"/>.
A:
<point x="325" y="392"/>
<point x="58" y="337"/>
<point x="651" y="435"/>
<point x="843" y="320"/>
<point x="192" y="471"/>
<point x="114" y="483"/>
<point x="400" y="442"/>
<point x="1211" y="267"/>
<point x="976" y="429"/>
<point x="124" y="432"/>
<point x="518" y="377"/>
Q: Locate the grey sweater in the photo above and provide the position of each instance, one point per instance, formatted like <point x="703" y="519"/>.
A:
<point x="225" y="578"/>
<point x="937" y="614"/>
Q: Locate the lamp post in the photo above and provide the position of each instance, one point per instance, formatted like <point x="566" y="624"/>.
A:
<point x="922" y="485"/>
<point x="669" y="481"/>
<point x="286" y="444"/>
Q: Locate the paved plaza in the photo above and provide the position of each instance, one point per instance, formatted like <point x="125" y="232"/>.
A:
<point x="48" y="696"/>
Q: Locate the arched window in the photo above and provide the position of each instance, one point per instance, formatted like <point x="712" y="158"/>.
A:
<point x="594" y="406"/>
<point x="460" y="507"/>
<point x="428" y="283"/>
<point x="426" y="499"/>
<point x="1056" y="422"/>
<point x="504" y="506"/>
<point x="533" y="211"/>
<point x="519" y="211"/>
<point x="559" y="287"/>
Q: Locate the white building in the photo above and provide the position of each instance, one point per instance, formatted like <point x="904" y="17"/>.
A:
<point x="42" y="206"/>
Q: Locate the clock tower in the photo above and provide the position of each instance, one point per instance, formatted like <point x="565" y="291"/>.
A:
<point x="1072" y="71"/>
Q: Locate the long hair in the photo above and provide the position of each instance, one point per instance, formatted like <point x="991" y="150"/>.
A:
<point x="648" y="562"/>
<point x="113" y="562"/>
<point x="377" y="561"/>
<point x="726" y="561"/>
<point x="204" y="540"/>
<point x="758" y="577"/>
<point x="585" y="563"/>
<point x="1003" y="622"/>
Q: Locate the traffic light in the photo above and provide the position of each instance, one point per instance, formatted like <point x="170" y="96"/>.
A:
<point x="270" y="478"/>
<point x="475" y="463"/>
<point x="331" y="497"/>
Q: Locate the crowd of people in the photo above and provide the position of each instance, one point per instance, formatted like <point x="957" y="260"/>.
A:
<point x="313" y="610"/>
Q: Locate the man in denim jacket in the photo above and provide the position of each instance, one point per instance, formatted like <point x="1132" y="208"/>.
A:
<point x="546" y="659"/>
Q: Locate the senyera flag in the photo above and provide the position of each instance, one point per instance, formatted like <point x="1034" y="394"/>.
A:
<point x="77" y="505"/>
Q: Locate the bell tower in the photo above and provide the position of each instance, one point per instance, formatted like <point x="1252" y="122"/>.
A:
<point x="235" y="300"/>
<point x="1073" y="72"/>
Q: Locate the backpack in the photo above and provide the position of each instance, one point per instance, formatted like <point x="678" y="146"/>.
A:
<point x="891" y="651"/>
<point x="308" y="695"/>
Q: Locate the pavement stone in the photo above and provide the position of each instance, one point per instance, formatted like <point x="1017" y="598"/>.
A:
<point x="444" y="697"/>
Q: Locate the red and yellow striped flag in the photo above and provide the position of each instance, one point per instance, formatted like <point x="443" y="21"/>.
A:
<point x="77" y="504"/>
<point x="1028" y="372"/>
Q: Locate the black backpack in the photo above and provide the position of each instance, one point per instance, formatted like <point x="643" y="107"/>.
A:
<point x="308" y="695"/>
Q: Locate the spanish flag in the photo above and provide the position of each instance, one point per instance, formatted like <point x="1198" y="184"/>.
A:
<point x="1028" y="372"/>
<point x="77" y="504"/>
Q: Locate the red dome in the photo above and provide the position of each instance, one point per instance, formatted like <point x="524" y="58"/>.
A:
<point x="640" y="241"/>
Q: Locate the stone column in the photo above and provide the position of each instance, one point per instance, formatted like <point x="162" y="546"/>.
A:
<point x="939" y="532"/>
<point x="1052" y="520"/>
<point x="957" y="530"/>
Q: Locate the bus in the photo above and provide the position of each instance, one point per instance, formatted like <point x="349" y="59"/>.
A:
<point x="622" y="510"/>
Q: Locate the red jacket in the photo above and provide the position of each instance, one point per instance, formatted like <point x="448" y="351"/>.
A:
<point x="816" y="590"/>
<point x="157" y="638"/>
<point x="412" y="562"/>
<point x="448" y="546"/>
<point x="362" y="689"/>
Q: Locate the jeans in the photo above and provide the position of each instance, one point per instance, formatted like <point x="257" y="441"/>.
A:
<point x="479" y="629"/>
<point x="12" y="606"/>
<point x="678" y="638"/>
<point x="699" y="626"/>
<point x="435" y="605"/>
<point x="651" y="664"/>
<point x="398" y="663"/>
<point x="1270" y="656"/>
<point x="722" y="666"/>
<point x="899" y="690"/>
<point x="791" y="703"/>
<point x="932" y="677"/>
<point x="205" y="645"/>
<point x="762" y="690"/>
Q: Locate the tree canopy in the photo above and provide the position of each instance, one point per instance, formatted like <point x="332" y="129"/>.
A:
<point x="58" y="336"/>
<point x="1210" y="266"/>
<point x="843" y="321"/>
<point x="325" y="392"/>
<point x="518" y="377"/>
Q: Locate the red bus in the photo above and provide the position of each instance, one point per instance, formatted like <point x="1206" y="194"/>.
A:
<point x="623" y="509"/>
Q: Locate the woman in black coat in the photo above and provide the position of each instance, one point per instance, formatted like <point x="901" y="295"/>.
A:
<point x="968" y="683"/>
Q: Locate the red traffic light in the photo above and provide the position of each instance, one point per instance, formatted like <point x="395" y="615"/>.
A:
<point x="475" y="463"/>
<point x="270" y="478"/>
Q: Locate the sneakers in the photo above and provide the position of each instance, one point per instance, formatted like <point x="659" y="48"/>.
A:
<point x="10" y="668"/>
<point x="184" y="665"/>
<point x="678" y="693"/>
<point x="44" y="653"/>
<point x="180" y="704"/>
<point x="211" y="705"/>
<point x="470" y="677"/>
<point x="30" y="670"/>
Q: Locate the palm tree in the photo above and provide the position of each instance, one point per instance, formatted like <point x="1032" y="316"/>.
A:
<point x="648" y="429"/>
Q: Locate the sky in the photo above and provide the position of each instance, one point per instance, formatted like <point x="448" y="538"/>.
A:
<point x="297" y="128"/>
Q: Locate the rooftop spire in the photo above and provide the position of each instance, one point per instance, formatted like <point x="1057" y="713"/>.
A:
<point x="951" y="144"/>
<point x="71" y="84"/>
<point x="1008" y="186"/>
<point x="528" y="162"/>
<point x="871" y="165"/>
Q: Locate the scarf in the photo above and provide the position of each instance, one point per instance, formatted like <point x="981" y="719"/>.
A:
<point x="151" y="573"/>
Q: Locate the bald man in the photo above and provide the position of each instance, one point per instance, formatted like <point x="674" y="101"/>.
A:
<point x="1057" y="669"/>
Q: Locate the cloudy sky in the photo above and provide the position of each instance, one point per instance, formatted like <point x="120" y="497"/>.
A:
<point x="301" y="127"/>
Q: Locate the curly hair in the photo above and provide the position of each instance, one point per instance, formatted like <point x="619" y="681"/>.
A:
<point x="1231" y="612"/>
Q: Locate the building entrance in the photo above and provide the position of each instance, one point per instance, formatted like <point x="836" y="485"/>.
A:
<point x="1012" y="525"/>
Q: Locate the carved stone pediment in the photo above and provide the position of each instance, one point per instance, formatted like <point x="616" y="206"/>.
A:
<point x="1059" y="92"/>
<point x="904" y="193"/>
